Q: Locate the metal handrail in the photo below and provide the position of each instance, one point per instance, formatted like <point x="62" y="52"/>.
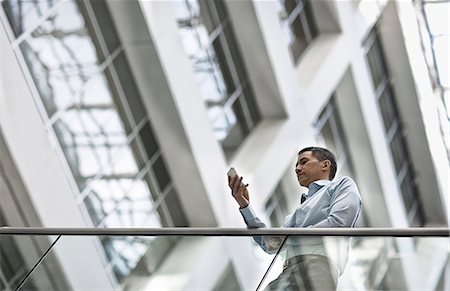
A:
<point x="212" y="231"/>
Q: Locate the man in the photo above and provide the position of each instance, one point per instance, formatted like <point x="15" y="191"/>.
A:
<point x="328" y="203"/>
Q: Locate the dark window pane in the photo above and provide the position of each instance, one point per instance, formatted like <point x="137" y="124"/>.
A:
<point x="308" y="14"/>
<point x="398" y="149"/>
<point x="239" y="110"/>
<point x="290" y="5"/>
<point x="129" y="87"/>
<point x="251" y="104"/>
<point x="148" y="139"/>
<point x="301" y="42"/>
<point x="412" y="200"/>
<point x="408" y="192"/>
<point x="216" y="11"/>
<point x="388" y="109"/>
<point x="224" y="65"/>
<point x="375" y="59"/>
<point x="105" y="24"/>
<point x="114" y="95"/>
<point x="302" y="25"/>
<point x="175" y="209"/>
<point x="162" y="176"/>
<point x="229" y="40"/>
<point x="374" y="70"/>
<point x="11" y="262"/>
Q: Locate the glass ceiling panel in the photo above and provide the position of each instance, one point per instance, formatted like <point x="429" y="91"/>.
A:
<point x="62" y="58"/>
<point x="95" y="109"/>
<point x="441" y="48"/>
<point x="438" y="17"/>
<point x="23" y="14"/>
<point x="434" y="21"/>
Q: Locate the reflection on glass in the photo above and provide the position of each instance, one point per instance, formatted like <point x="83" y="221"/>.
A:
<point x="208" y="40"/>
<point x="304" y="263"/>
<point x="18" y="255"/>
<point x="359" y="263"/>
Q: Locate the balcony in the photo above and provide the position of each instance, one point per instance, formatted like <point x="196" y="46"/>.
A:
<point x="178" y="258"/>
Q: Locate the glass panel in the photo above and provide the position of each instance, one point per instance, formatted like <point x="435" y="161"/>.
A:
<point x="398" y="149"/>
<point x="359" y="263"/>
<point x="297" y="22"/>
<point x="161" y="173"/>
<point x="252" y="107"/>
<point x="305" y="263"/>
<point x="276" y="207"/>
<point x="24" y="15"/>
<point x="94" y="141"/>
<point x="219" y="70"/>
<point x="146" y="262"/>
<point x="228" y="280"/>
<point x="105" y="24"/>
<point x="121" y="202"/>
<point x="332" y="133"/>
<point x="176" y="211"/>
<point x="62" y="58"/>
<point x="437" y="13"/>
<point x="129" y="87"/>
<point x="388" y="109"/>
<point x="148" y="140"/>
<point x="376" y="60"/>
<point x="441" y="48"/>
<point x="18" y="255"/>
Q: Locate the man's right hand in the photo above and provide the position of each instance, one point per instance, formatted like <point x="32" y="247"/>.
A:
<point x="239" y="191"/>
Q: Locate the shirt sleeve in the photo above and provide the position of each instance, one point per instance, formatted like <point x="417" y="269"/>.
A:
<point x="268" y="244"/>
<point x="345" y="205"/>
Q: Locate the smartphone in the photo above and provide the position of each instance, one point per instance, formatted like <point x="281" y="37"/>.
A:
<point x="232" y="172"/>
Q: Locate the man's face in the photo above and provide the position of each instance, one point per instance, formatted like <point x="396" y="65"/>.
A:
<point x="310" y="169"/>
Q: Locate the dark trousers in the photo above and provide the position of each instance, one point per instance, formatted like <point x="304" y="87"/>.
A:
<point x="306" y="272"/>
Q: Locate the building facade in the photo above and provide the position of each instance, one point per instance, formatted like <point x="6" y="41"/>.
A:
<point x="129" y="114"/>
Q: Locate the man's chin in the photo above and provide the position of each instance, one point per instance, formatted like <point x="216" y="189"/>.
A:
<point x="301" y="183"/>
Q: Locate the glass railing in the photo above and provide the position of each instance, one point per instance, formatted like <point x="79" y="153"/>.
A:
<point x="227" y="259"/>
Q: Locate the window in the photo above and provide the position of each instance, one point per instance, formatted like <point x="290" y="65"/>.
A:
<point x="297" y="22"/>
<point x="285" y="197"/>
<point x="330" y="132"/>
<point x="83" y="80"/>
<point x="393" y="128"/>
<point x="208" y="39"/>
<point x="276" y="206"/>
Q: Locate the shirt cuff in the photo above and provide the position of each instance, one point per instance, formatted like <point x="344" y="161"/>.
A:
<point x="248" y="213"/>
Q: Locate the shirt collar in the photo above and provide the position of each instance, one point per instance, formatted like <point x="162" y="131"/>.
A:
<point x="316" y="185"/>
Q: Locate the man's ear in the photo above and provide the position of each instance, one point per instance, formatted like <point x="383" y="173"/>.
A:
<point x="326" y="165"/>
